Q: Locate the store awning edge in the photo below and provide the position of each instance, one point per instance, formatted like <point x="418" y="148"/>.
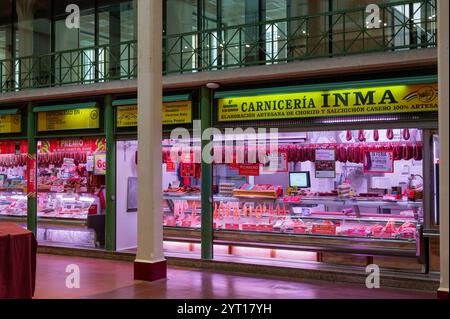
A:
<point x="166" y="99"/>
<point x="65" y="107"/>
<point x="9" y="111"/>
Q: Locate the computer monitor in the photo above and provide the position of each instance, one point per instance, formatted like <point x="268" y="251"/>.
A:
<point x="299" y="179"/>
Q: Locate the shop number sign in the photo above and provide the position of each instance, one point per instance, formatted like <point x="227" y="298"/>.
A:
<point x="376" y="161"/>
<point x="100" y="164"/>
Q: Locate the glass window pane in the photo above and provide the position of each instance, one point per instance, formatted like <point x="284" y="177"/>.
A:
<point x="5" y="29"/>
<point x="276" y="32"/>
<point x="181" y="46"/>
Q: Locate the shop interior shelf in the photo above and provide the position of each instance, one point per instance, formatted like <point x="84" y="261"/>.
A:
<point x="181" y="197"/>
<point x="307" y="201"/>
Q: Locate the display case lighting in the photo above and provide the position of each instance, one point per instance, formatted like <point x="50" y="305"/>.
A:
<point x="356" y="120"/>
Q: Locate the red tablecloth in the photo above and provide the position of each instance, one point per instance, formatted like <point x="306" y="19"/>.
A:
<point x="17" y="262"/>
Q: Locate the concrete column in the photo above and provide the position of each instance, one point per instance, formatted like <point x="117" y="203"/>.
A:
<point x="443" y="65"/>
<point x="150" y="263"/>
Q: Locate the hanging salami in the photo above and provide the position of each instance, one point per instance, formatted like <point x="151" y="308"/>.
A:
<point x="390" y="134"/>
<point x="349" y="135"/>
<point x="361" y="136"/>
<point x="418" y="156"/>
<point x="376" y="135"/>
<point x="406" y="134"/>
<point x="343" y="152"/>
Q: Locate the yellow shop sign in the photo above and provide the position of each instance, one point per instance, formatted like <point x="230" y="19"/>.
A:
<point x="177" y="112"/>
<point x="10" y="123"/>
<point x="376" y="100"/>
<point x="173" y="113"/>
<point x="76" y="119"/>
<point x="127" y="116"/>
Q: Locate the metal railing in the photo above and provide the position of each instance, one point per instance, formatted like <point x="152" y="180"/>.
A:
<point x="79" y="66"/>
<point x="404" y="25"/>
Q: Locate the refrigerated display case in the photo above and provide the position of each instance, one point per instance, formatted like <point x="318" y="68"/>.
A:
<point x="352" y="196"/>
<point x="359" y="208"/>
<point x="13" y="181"/>
<point x="181" y="188"/>
<point x="71" y="182"/>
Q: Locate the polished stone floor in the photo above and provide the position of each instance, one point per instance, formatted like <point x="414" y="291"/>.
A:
<point x="101" y="278"/>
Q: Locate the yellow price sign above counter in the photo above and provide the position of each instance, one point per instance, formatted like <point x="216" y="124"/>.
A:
<point x="361" y="101"/>
<point x="173" y="113"/>
<point x="76" y="119"/>
<point x="126" y="116"/>
<point x="177" y="112"/>
<point x="10" y="123"/>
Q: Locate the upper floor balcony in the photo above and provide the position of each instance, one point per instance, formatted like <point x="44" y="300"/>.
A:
<point x="402" y="25"/>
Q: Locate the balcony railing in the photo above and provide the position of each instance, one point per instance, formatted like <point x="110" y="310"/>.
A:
<point x="404" y="25"/>
<point x="79" y="66"/>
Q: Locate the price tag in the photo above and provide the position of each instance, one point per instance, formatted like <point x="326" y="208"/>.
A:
<point x="378" y="161"/>
<point x="100" y="164"/>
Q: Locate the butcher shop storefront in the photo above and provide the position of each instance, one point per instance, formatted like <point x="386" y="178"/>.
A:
<point x="353" y="180"/>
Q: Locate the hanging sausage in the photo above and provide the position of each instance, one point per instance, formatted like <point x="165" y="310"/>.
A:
<point x="344" y="155"/>
<point x="349" y="135"/>
<point x="406" y="134"/>
<point x="376" y="135"/>
<point x="357" y="154"/>
<point x="361" y="136"/>
<point x="418" y="156"/>
<point x="390" y="134"/>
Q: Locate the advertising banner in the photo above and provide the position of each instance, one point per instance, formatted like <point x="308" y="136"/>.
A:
<point x="359" y="101"/>
<point x="68" y="120"/>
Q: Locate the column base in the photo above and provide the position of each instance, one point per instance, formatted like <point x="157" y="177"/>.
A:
<point x="442" y="294"/>
<point x="148" y="271"/>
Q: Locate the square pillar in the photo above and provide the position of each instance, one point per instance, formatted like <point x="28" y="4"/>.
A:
<point x="443" y="80"/>
<point x="150" y="263"/>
